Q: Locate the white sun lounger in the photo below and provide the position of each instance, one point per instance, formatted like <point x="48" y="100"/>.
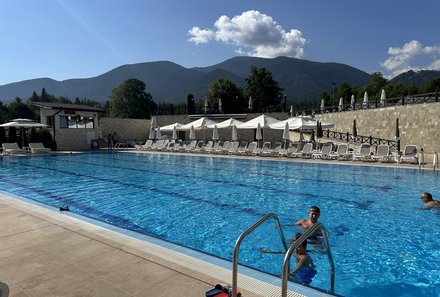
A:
<point x="364" y="153"/>
<point x="326" y="149"/>
<point x="382" y="153"/>
<point x="38" y="148"/>
<point x="241" y="150"/>
<point x="12" y="149"/>
<point x="340" y="152"/>
<point x="410" y="154"/>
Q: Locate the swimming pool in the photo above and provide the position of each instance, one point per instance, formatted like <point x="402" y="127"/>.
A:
<point x="383" y="243"/>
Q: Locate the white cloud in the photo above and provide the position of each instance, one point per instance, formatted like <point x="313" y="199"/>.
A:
<point x="200" y="35"/>
<point x="405" y="58"/>
<point x="254" y="34"/>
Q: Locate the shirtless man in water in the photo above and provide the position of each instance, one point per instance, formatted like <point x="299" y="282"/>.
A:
<point x="314" y="213"/>
<point x="305" y="224"/>
<point x="429" y="202"/>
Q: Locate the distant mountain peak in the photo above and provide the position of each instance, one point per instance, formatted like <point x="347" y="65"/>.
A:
<point x="301" y="80"/>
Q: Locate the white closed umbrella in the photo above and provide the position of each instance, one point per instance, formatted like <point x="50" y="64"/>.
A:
<point x="383" y="97"/>
<point x="220" y="105"/>
<point x="291" y="110"/>
<point x="322" y="106"/>
<point x="151" y="134"/>
<point x="341" y="104"/>
<point x="258" y="134"/>
<point x="365" y="102"/>
<point x="174" y="133"/>
<point x="153" y="125"/>
<point x="234" y="133"/>
<point x="286" y="133"/>
<point x="192" y="133"/>
<point x="352" y="102"/>
<point x="250" y="103"/>
<point x="206" y="105"/>
<point x="158" y="134"/>
<point x="215" y="133"/>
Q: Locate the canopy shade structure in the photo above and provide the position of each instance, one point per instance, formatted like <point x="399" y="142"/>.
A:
<point x="226" y="124"/>
<point x="263" y="120"/>
<point x="171" y="127"/>
<point x="23" y="123"/>
<point x="201" y="123"/>
<point x="301" y="123"/>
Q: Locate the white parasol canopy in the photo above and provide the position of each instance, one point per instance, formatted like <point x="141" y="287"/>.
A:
<point x="322" y="106"/>
<point x="226" y="124"/>
<point x="263" y="121"/>
<point x="201" y="123"/>
<point x="302" y="123"/>
<point x="341" y="104"/>
<point x="23" y="123"/>
<point x="352" y="102"/>
<point x="171" y="127"/>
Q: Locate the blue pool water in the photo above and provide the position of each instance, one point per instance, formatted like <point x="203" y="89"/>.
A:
<point x="383" y="242"/>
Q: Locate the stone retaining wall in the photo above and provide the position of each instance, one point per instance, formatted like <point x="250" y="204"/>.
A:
<point x="419" y="125"/>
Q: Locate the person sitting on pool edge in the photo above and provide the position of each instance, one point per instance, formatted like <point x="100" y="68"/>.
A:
<point x="429" y="202"/>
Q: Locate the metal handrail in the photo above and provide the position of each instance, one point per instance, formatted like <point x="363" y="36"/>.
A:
<point x="240" y="239"/>
<point x="296" y="244"/>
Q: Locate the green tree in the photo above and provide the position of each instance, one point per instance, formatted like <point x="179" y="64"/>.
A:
<point x="35" y="97"/>
<point x="230" y="95"/>
<point x="378" y="82"/>
<point x="263" y="90"/>
<point x="4" y="113"/>
<point x="17" y="109"/>
<point x="130" y="100"/>
<point x="191" y="106"/>
<point x="431" y="86"/>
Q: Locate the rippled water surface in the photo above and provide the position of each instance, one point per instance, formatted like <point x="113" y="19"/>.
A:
<point x="383" y="242"/>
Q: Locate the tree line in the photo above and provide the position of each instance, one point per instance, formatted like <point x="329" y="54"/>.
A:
<point x="261" y="93"/>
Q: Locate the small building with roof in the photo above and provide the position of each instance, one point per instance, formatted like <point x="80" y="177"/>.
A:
<point x="73" y="126"/>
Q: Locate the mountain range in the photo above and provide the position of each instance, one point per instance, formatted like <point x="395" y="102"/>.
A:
<point x="301" y="80"/>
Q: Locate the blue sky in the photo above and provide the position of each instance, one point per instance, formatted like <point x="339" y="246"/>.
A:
<point x="64" y="39"/>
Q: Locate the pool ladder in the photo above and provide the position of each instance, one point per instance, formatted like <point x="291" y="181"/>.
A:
<point x="289" y="251"/>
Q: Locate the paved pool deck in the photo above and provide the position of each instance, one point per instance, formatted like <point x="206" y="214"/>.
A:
<point x="44" y="252"/>
<point x="48" y="253"/>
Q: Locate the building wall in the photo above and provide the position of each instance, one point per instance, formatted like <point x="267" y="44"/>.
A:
<point x="71" y="139"/>
<point x="127" y="129"/>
